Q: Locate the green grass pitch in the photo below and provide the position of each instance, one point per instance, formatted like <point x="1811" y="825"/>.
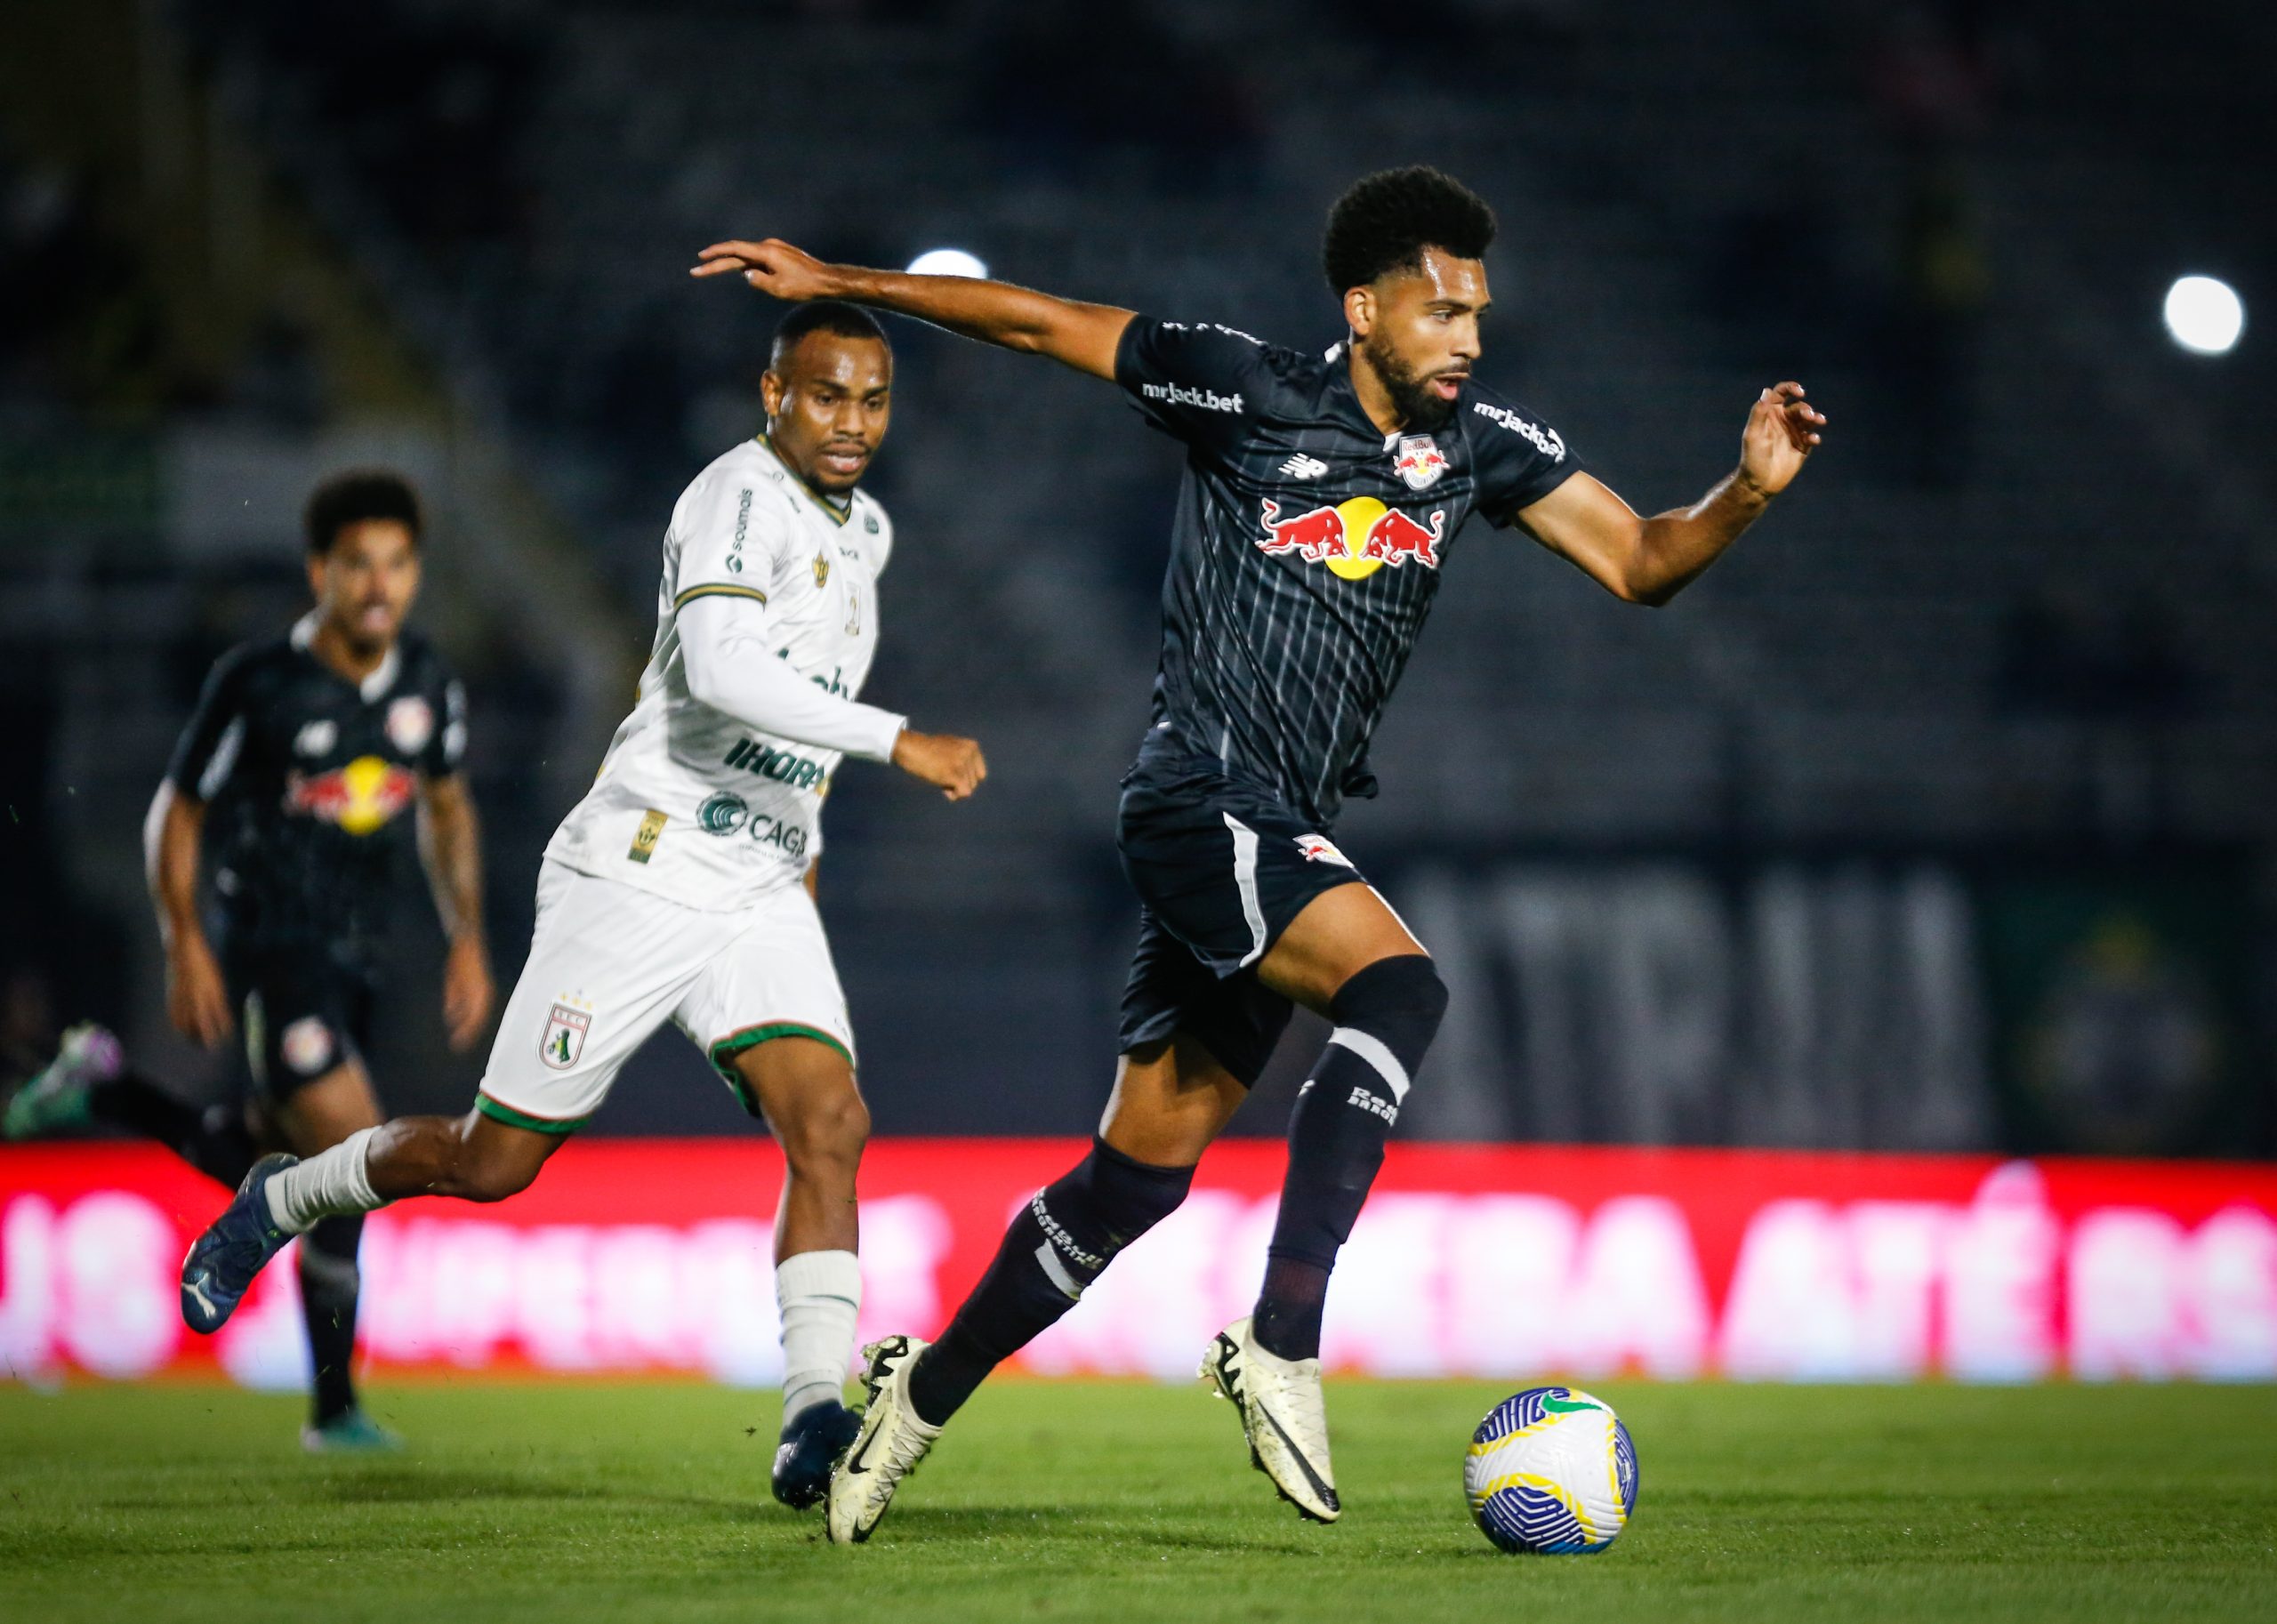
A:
<point x="561" y="1503"/>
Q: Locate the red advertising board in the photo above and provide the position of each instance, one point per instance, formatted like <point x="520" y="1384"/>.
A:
<point x="657" y="1255"/>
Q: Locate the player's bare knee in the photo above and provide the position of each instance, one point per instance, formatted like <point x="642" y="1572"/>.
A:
<point x="825" y="1137"/>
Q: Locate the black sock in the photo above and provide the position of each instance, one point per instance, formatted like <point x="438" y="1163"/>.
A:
<point x="328" y="1287"/>
<point x="1056" y="1247"/>
<point x="213" y="1139"/>
<point x="1385" y="1017"/>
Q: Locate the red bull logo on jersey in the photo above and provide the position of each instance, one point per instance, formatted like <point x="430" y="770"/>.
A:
<point x="1418" y="461"/>
<point x="1354" y="538"/>
<point x="359" y="798"/>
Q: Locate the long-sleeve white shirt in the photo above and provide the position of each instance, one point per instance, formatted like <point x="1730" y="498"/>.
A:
<point x="711" y="790"/>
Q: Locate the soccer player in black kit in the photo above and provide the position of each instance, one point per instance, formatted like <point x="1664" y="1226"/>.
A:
<point x="1321" y="500"/>
<point x="310" y="758"/>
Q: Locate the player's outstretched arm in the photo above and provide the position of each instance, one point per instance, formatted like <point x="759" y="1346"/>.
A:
<point x="450" y="847"/>
<point x="1076" y="335"/>
<point x="1650" y="560"/>
<point x="198" y="999"/>
<point x="730" y="668"/>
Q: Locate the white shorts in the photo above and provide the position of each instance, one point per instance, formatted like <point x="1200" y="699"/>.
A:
<point x="610" y="963"/>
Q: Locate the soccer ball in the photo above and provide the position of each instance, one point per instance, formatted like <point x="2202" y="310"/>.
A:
<point x="1552" y="1470"/>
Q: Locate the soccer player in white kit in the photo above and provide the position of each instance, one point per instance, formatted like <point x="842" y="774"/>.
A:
<point x="680" y="888"/>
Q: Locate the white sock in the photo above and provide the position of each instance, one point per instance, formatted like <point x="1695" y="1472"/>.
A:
<point x="819" y="1294"/>
<point x="330" y="1184"/>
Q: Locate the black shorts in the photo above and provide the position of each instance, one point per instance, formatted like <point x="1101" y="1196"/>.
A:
<point x="302" y="1014"/>
<point x="1221" y="868"/>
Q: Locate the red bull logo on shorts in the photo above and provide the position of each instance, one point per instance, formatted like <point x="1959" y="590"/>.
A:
<point x="1354" y="538"/>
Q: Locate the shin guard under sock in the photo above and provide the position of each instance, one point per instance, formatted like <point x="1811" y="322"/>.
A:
<point x="1056" y="1247"/>
<point x="1385" y="1017"/>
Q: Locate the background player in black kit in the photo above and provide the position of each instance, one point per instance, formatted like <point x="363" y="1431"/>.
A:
<point x="1320" y="503"/>
<point x="311" y="757"/>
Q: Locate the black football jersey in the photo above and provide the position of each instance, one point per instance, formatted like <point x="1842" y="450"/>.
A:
<point x="1308" y="548"/>
<point x="313" y="783"/>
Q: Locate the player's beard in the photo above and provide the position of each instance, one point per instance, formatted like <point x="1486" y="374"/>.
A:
<point x="1410" y="394"/>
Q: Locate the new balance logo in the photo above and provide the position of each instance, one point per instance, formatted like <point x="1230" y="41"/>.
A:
<point x="1376" y="1104"/>
<point x="1303" y="467"/>
<point x="1178" y="395"/>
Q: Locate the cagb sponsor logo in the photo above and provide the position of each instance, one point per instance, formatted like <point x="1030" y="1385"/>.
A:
<point x="1547" y="441"/>
<point x="727" y="813"/>
<point x="722" y="813"/>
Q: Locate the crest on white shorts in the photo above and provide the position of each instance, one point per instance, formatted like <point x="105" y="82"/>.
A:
<point x="1320" y="848"/>
<point x="565" y="1036"/>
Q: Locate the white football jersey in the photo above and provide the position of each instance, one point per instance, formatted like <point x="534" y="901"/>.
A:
<point x="690" y="803"/>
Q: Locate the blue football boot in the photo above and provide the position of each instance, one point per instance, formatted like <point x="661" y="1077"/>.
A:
<point x="224" y="1259"/>
<point x="812" y="1443"/>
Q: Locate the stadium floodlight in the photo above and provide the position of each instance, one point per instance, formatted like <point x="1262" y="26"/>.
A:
<point x="947" y="263"/>
<point x="2204" y="315"/>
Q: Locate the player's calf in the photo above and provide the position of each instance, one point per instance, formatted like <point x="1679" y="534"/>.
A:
<point x="1385" y="1016"/>
<point x="472" y="1158"/>
<point x="1069" y="1232"/>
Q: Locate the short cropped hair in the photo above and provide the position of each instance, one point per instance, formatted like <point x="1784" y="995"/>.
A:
<point x="354" y="497"/>
<point x="823" y="315"/>
<point x="1385" y="221"/>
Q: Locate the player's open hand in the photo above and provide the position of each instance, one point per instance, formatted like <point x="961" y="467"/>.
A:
<point x="772" y="267"/>
<point x="1782" y="431"/>
<point x="197" y="1000"/>
<point x="954" y="766"/>
<point x="468" y="993"/>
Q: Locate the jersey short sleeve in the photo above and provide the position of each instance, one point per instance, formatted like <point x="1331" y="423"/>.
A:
<point x="207" y="750"/>
<point x="733" y="534"/>
<point x="1520" y="459"/>
<point x="447" y="747"/>
<point x="1201" y="382"/>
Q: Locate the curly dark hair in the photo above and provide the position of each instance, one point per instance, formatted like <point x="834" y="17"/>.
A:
<point x="352" y="498"/>
<point x="823" y="315"/>
<point x="1384" y="222"/>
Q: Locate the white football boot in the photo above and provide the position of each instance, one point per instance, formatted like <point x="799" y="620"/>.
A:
<point x="1282" y="1415"/>
<point x="891" y="1443"/>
